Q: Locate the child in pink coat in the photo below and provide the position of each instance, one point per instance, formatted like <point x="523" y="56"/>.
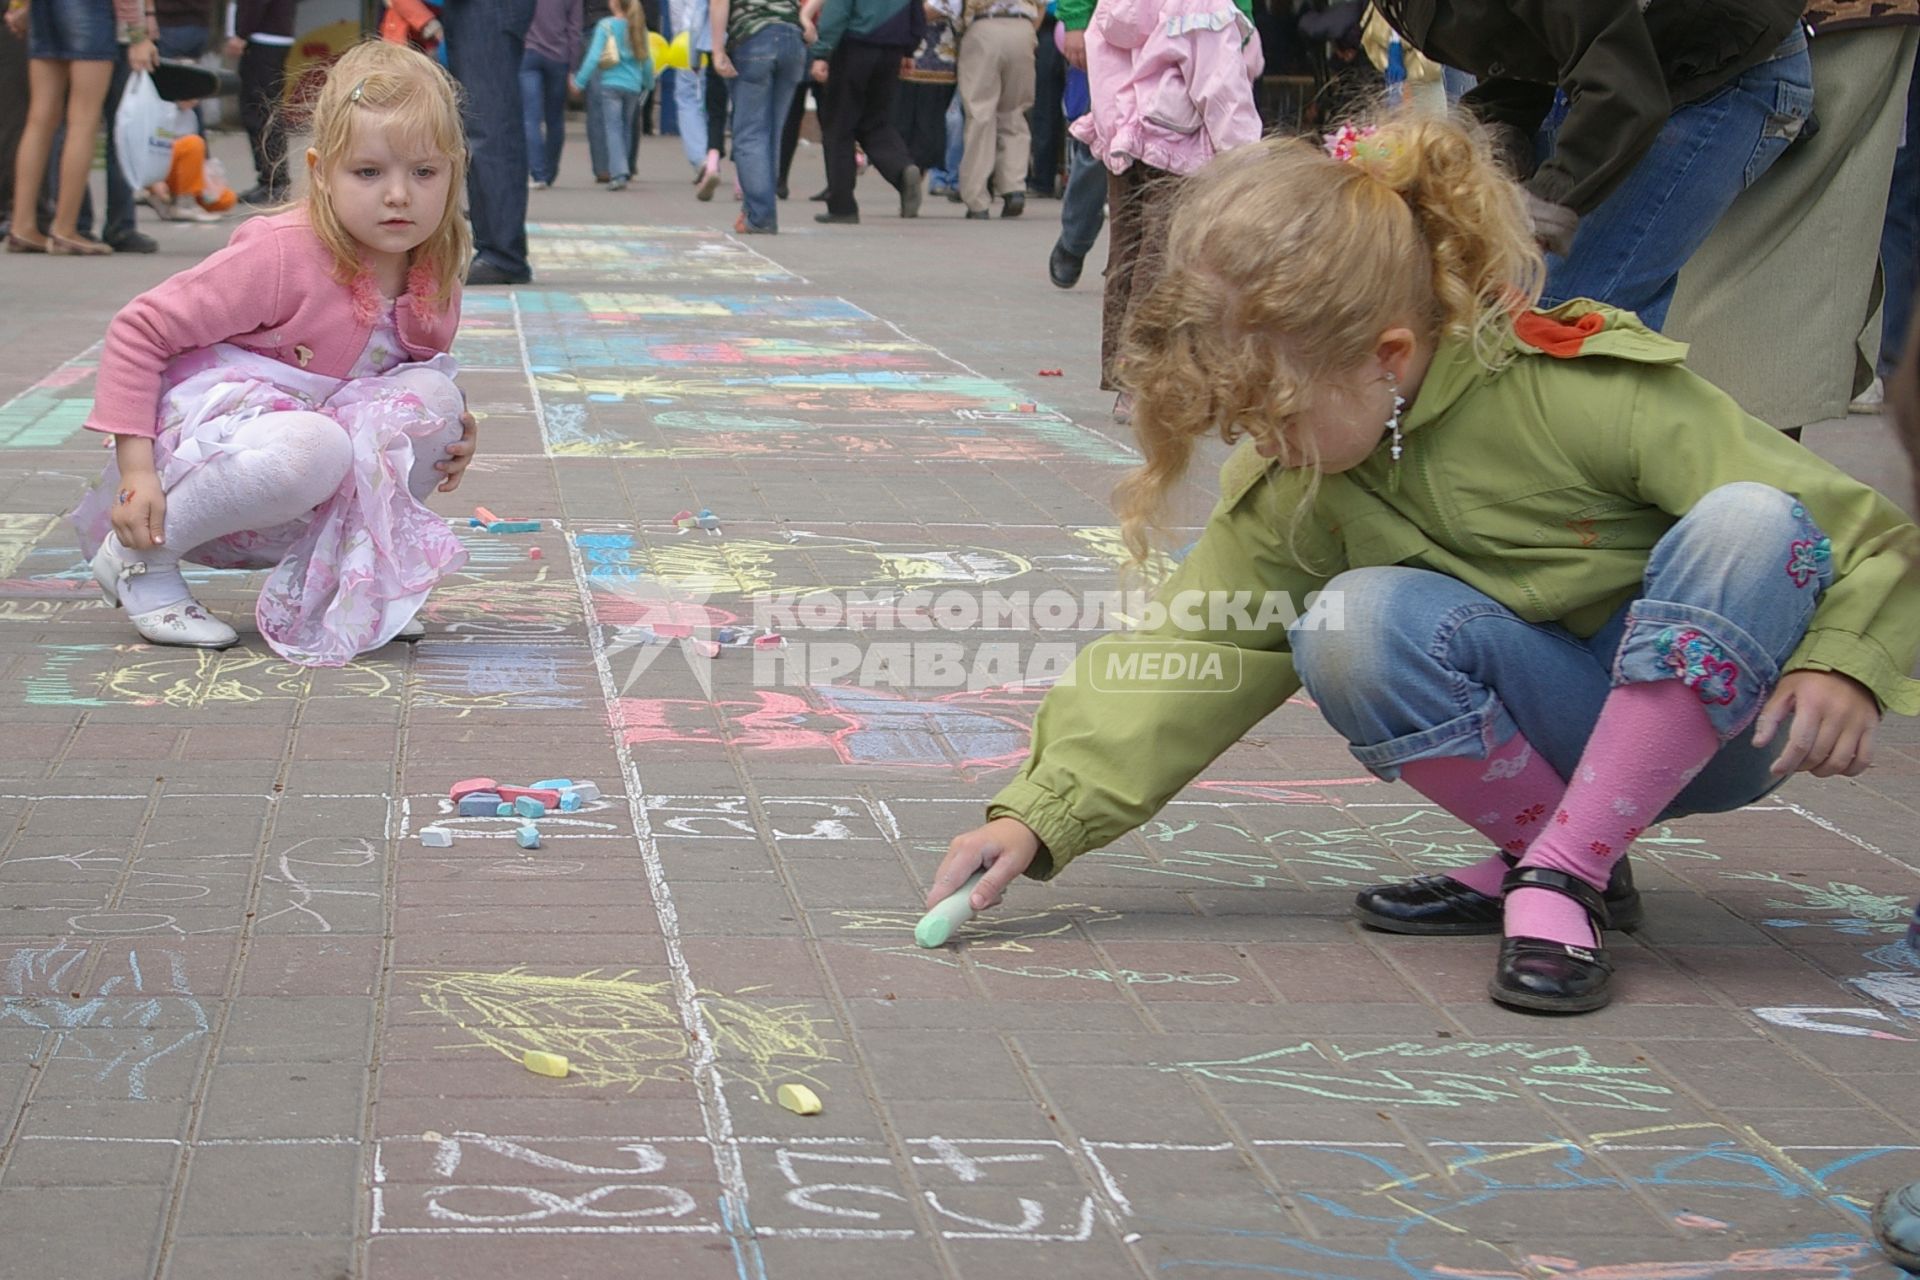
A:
<point x="1172" y="86"/>
<point x="289" y="402"/>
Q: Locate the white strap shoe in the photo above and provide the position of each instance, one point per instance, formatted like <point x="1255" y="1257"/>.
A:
<point x="185" y="623"/>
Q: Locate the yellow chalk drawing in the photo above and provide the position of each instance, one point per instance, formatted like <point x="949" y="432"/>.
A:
<point x="497" y="605"/>
<point x="1104" y="541"/>
<point x="1010" y="933"/>
<point x="751" y="566"/>
<point x="205" y="678"/>
<point x="620" y="1033"/>
<point x="19" y="534"/>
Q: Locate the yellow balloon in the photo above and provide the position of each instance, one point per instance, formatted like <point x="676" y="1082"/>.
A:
<point x="669" y="55"/>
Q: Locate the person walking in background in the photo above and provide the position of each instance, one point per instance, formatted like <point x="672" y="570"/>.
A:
<point x="694" y="95"/>
<point x="996" y="90"/>
<point x="1045" y="124"/>
<point x="484" y="42"/>
<point x="758" y="46"/>
<point x="72" y="52"/>
<point x="618" y="69"/>
<point x="260" y="35"/>
<point x="1803" y="241"/>
<point x="553" y="48"/>
<point x="927" y="83"/>
<point x="857" y="56"/>
<point x="1083" y="211"/>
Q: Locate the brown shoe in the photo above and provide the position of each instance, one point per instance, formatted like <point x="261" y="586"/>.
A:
<point x="77" y="247"/>
<point x="19" y="244"/>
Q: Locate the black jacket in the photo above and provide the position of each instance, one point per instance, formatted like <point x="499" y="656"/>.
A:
<point x="1624" y="71"/>
<point x="263" y="18"/>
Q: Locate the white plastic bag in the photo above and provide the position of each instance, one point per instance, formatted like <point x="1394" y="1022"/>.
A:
<point x="144" y="131"/>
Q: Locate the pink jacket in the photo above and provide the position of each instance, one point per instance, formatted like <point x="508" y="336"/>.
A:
<point x="271" y="290"/>
<point x="1171" y="81"/>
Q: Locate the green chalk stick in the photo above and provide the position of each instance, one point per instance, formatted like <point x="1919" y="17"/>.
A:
<point x="948" y="914"/>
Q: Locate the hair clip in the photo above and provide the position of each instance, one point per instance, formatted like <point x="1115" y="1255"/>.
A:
<point x="1347" y="142"/>
<point x="355" y="95"/>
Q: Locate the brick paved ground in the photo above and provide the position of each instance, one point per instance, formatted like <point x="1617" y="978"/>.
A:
<point x="249" y="1026"/>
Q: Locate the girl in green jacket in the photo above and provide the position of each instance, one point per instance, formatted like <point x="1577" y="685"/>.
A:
<point x="1524" y="561"/>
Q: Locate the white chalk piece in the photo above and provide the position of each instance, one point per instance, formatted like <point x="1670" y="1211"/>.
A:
<point x="948" y="914"/>
<point x="436" y="838"/>
<point x="587" y="791"/>
<point x="545" y="1064"/>
<point x="798" y="1099"/>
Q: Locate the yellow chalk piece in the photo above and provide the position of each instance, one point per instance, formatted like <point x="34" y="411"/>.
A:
<point x="545" y="1064"/>
<point x="798" y="1099"/>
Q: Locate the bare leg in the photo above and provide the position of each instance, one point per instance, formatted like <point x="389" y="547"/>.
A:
<point x="86" y="92"/>
<point x="47" y="97"/>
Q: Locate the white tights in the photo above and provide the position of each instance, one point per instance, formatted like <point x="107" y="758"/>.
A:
<point x="277" y="467"/>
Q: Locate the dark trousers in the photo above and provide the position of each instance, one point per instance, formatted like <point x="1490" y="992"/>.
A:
<point x="861" y="80"/>
<point x="790" y="134"/>
<point x="13" y="114"/>
<point x="920" y="114"/>
<point x="485" y="40"/>
<point x="716" y="101"/>
<point x="1046" y="122"/>
<point x="263" y="77"/>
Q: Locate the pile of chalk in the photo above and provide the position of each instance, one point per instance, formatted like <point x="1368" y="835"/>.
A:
<point x="486" y="798"/>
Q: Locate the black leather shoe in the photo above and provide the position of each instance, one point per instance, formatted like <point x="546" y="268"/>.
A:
<point x="1440" y="905"/>
<point x="1012" y="206"/>
<point x="482" y="272"/>
<point x="819" y="197"/>
<point x="134" y="242"/>
<point x="1541" y="976"/>
<point x="910" y="191"/>
<point x="850" y="219"/>
<point x="980" y="214"/>
<point x="1063" y="269"/>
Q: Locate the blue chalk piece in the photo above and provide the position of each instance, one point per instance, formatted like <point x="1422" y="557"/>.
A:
<point x="503" y="810"/>
<point x="479" y="804"/>
<point x="728" y="635"/>
<point x="474" y="522"/>
<point x="514" y="526"/>
<point x="528" y="807"/>
<point x="570" y="802"/>
<point x="528" y="837"/>
<point x="551" y="784"/>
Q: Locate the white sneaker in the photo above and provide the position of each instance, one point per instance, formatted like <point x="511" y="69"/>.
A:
<point x="1872" y="400"/>
<point x="183" y="622"/>
<point x="414" y="632"/>
<point x="188" y="209"/>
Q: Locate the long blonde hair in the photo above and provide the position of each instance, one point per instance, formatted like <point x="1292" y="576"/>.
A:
<point x="418" y="99"/>
<point x="635" y="16"/>
<point x="1283" y="268"/>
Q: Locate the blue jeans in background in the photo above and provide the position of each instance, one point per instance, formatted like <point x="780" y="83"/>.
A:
<point x="1900" y="238"/>
<point x="1629" y="251"/>
<point x="543" y="107"/>
<point x="484" y="42"/>
<point x="770" y="62"/>
<point x="618" y="111"/>
<point x="1083" y="210"/>
<point x="947" y="177"/>
<point x="690" y="108"/>
<point x="1426" y="667"/>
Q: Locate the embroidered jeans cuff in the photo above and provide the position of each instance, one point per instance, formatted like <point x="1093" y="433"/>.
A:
<point x="1717" y="659"/>
<point x="1474" y="735"/>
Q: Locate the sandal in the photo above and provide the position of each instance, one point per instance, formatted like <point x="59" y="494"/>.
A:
<point x="1542" y="976"/>
<point x="20" y="244"/>
<point x="79" y="247"/>
<point x="1442" y="906"/>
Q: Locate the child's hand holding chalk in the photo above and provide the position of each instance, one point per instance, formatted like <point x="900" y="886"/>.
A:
<point x="1002" y="849"/>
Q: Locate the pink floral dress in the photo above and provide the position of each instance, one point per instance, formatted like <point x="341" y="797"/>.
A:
<point x="349" y="574"/>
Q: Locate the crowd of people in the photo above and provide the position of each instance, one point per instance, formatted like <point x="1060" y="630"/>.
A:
<point x="1585" y="588"/>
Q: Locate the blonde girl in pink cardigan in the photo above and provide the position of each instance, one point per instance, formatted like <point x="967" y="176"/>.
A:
<point x="289" y="402"/>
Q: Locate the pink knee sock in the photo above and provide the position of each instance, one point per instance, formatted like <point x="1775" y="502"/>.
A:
<point x="1505" y="797"/>
<point x="1650" y="741"/>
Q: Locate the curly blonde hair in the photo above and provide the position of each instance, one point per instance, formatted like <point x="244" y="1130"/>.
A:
<point x="1283" y="268"/>
<point x="422" y="103"/>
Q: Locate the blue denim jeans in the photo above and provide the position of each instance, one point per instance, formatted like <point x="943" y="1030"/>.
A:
<point x="484" y="42"/>
<point x="1083" y="210"/>
<point x="947" y="176"/>
<point x="770" y="62"/>
<point x="1629" y="251"/>
<point x="543" y="108"/>
<point x="618" y="114"/>
<point x="690" y="106"/>
<point x="1427" y="667"/>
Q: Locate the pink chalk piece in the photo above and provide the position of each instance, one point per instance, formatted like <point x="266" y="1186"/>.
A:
<point x="549" y="798"/>
<point x="706" y="648"/>
<point x="471" y="785"/>
<point x="673" y="630"/>
<point x="1699" y="1220"/>
<point x="533" y="553"/>
<point x="770" y="641"/>
<point x="484" y="516"/>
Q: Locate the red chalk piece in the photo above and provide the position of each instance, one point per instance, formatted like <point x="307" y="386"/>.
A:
<point x="485" y="516"/>
<point x="471" y="785"/>
<point x="551" y="799"/>
<point x="1052" y="373"/>
<point x="533" y="553"/>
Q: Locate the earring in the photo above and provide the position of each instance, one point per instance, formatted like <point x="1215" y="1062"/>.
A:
<point x="1393" y="423"/>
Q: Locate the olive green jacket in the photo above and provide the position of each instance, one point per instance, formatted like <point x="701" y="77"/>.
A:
<point x="1544" y="482"/>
